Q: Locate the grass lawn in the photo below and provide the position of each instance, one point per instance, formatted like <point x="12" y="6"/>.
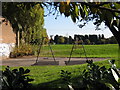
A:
<point x="106" y="50"/>
<point x="49" y="76"/>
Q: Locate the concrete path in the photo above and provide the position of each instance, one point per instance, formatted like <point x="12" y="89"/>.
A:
<point x="28" y="61"/>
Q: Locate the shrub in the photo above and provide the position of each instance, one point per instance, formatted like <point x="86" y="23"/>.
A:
<point x="15" y="79"/>
<point x="66" y="76"/>
<point x="95" y="77"/>
<point x="22" y="50"/>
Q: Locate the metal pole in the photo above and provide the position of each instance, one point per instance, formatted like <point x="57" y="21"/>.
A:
<point x="84" y="50"/>
<point x="39" y="49"/>
<point x="52" y="52"/>
<point x="70" y="54"/>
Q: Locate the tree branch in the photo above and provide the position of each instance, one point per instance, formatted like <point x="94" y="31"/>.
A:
<point x="100" y="6"/>
<point x="118" y="17"/>
<point x="113" y="30"/>
<point x="110" y="9"/>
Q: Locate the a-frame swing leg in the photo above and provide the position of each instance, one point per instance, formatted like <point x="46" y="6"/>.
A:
<point x="84" y="49"/>
<point x="39" y="50"/>
<point x="70" y="54"/>
<point x="72" y="51"/>
<point x="52" y="52"/>
<point x="84" y="52"/>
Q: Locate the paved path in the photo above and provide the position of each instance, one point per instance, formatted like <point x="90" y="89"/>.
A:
<point x="28" y="61"/>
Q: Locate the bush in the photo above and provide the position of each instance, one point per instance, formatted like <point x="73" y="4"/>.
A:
<point x="22" y="50"/>
<point x="95" y="77"/>
<point x="15" y="79"/>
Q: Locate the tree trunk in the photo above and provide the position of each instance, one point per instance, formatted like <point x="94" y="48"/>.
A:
<point x="117" y="37"/>
<point x="116" y="34"/>
<point x="17" y="39"/>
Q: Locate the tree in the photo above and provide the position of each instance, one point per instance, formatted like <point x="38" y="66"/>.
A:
<point x="87" y="41"/>
<point x="102" y="36"/>
<point x="112" y="40"/>
<point x="86" y="37"/>
<point x="56" y="39"/>
<point x="34" y="31"/>
<point x="103" y="41"/>
<point x="61" y="40"/>
<point x="93" y="38"/>
<point x="99" y="36"/>
<point x="66" y="40"/>
<point x="70" y="40"/>
<point x="26" y="19"/>
<point x="107" y="12"/>
<point x="51" y="39"/>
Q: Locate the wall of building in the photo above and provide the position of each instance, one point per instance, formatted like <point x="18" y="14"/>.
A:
<point x="7" y="36"/>
<point x="7" y="39"/>
<point x="5" y="49"/>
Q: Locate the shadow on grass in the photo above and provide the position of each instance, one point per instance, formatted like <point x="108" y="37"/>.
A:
<point x="77" y="83"/>
<point x="58" y="85"/>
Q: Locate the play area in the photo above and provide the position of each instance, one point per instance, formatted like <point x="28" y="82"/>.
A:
<point x="61" y="61"/>
<point x="31" y="61"/>
<point x="46" y="55"/>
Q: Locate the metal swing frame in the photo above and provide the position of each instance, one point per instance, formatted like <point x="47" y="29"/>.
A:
<point x="41" y="44"/>
<point x="72" y="52"/>
<point x="39" y="50"/>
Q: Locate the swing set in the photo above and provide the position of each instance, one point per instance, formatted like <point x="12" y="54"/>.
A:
<point x="71" y="52"/>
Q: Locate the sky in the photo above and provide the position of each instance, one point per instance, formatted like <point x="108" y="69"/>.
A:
<point x="64" y="26"/>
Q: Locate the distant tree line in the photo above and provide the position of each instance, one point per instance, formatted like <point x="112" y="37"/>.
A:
<point x="85" y="39"/>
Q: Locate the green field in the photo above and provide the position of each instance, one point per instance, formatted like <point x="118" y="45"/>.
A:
<point x="106" y="50"/>
<point x="49" y="76"/>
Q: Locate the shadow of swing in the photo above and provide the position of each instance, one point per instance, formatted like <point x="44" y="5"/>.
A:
<point x="42" y="63"/>
<point x="77" y="62"/>
<point x="46" y="63"/>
